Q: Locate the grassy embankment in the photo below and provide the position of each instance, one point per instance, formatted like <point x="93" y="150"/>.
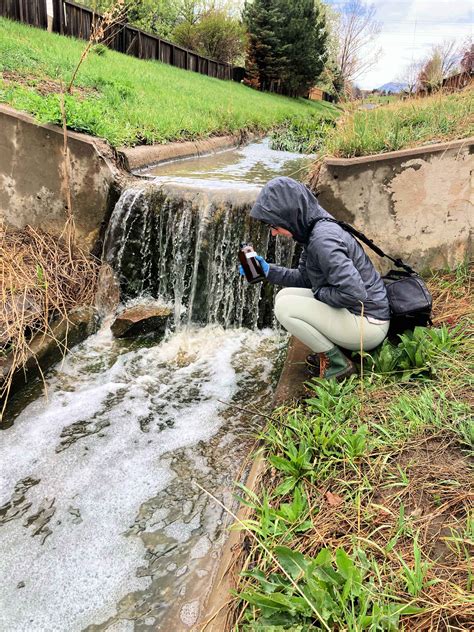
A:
<point x="403" y="124"/>
<point x="398" y="125"/>
<point x="364" y="516"/>
<point x="130" y="101"/>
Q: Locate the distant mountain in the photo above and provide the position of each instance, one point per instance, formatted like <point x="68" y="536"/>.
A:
<point x="392" y="86"/>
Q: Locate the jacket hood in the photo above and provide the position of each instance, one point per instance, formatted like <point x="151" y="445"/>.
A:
<point x="289" y="204"/>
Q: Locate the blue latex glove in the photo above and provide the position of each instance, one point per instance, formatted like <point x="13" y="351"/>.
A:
<point x="263" y="263"/>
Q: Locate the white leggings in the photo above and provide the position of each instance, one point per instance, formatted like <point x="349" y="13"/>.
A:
<point x="320" y="326"/>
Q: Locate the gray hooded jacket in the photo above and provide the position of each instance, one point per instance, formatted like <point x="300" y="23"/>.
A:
<point x="333" y="263"/>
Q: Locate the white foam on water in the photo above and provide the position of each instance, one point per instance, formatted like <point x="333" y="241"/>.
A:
<point x="123" y="625"/>
<point x="201" y="548"/>
<point x="182" y="531"/>
<point x="143" y="405"/>
<point x="189" y="613"/>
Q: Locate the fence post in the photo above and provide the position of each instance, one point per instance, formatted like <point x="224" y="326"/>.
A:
<point x="58" y="17"/>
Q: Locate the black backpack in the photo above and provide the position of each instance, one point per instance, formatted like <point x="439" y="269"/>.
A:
<point x="409" y="298"/>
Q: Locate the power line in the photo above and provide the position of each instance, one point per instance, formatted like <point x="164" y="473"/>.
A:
<point x="413" y="45"/>
<point x="435" y="22"/>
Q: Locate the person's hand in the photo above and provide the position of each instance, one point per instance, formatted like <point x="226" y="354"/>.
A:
<point x="264" y="264"/>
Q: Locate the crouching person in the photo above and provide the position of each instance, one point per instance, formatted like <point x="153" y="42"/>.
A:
<point x="335" y="298"/>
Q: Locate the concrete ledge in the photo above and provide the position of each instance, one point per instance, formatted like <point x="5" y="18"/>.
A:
<point x="135" y="158"/>
<point x="416" y="204"/>
<point x="32" y="189"/>
<point x="218" y="610"/>
<point x="401" y="153"/>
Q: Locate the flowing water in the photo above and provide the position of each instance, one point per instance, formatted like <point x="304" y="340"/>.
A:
<point x="101" y="519"/>
<point x="255" y="164"/>
<point x="102" y="523"/>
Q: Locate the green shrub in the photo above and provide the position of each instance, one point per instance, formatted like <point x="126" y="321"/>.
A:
<point x="419" y="353"/>
<point x="301" y="136"/>
<point x="331" y="591"/>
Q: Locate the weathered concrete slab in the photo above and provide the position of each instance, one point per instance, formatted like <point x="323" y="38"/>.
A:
<point x="294" y="374"/>
<point x="414" y="203"/>
<point x="31" y="176"/>
<point x="136" y="158"/>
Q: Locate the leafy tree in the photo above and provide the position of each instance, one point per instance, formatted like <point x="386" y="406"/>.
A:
<point x="431" y="75"/>
<point x="331" y="79"/>
<point x="159" y="17"/>
<point x="221" y="36"/>
<point x="286" y="45"/>
<point x="215" y="34"/>
<point x="444" y="60"/>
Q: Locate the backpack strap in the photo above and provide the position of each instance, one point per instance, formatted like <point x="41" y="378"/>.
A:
<point x="368" y="242"/>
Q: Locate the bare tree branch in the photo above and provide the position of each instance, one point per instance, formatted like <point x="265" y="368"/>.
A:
<point x="356" y="30"/>
<point x="410" y="75"/>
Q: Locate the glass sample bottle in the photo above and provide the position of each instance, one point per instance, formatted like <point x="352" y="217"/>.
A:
<point x="252" y="268"/>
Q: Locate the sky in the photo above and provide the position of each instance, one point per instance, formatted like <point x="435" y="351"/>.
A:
<point x="409" y="29"/>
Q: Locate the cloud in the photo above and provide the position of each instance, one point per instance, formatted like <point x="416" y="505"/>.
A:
<point x="409" y="29"/>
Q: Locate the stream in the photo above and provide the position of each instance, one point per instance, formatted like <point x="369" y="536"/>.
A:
<point x="104" y="524"/>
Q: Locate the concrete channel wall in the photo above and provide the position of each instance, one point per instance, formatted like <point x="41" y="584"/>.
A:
<point x="415" y="203"/>
<point x="31" y="177"/>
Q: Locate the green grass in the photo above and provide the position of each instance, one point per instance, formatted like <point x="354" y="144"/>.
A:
<point x="363" y="517"/>
<point x="402" y="124"/>
<point x="129" y="101"/>
<point x="302" y="135"/>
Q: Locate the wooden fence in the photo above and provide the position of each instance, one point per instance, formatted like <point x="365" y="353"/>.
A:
<point x="458" y="81"/>
<point x="32" y="12"/>
<point x="76" y="20"/>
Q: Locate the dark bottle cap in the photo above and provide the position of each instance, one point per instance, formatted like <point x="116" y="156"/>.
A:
<point x="243" y="244"/>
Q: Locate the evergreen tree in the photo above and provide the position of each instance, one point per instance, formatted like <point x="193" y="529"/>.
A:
<point x="305" y="35"/>
<point x="265" y="53"/>
<point x="287" y="44"/>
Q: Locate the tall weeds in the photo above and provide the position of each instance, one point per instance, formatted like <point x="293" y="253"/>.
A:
<point x="41" y="277"/>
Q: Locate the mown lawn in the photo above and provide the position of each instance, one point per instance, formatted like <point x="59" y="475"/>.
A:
<point x="129" y="101"/>
<point x="402" y="124"/>
<point x="364" y="516"/>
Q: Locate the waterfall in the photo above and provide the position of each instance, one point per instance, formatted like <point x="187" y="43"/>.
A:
<point x="181" y="246"/>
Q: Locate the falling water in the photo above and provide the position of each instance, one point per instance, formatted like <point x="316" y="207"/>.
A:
<point x="183" y="250"/>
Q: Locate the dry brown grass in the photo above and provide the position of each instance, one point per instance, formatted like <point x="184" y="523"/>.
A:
<point x="42" y="277"/>
<point x="452" y="296"/>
